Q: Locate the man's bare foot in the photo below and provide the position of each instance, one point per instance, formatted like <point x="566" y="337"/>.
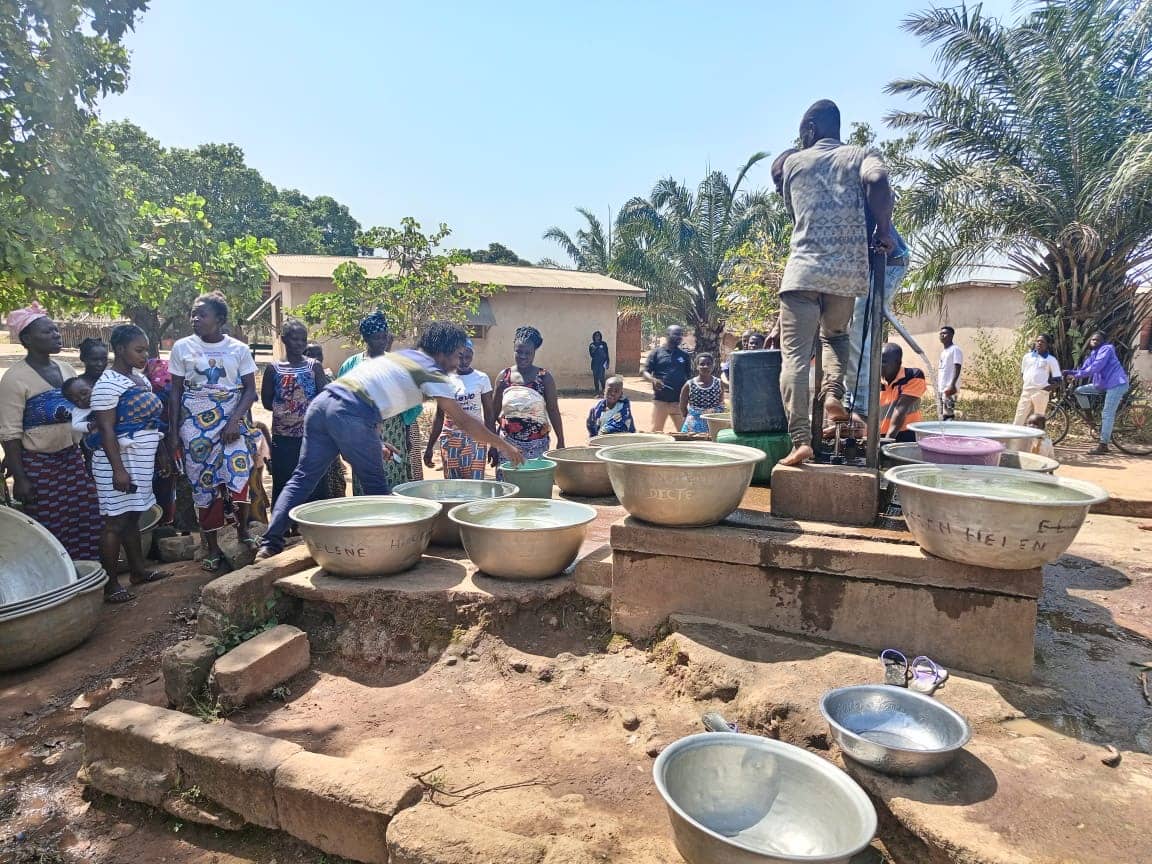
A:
<point x="834" y="410"/>
<point x="800" y="454"/>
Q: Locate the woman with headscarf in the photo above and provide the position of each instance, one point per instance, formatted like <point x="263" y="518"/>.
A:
<point x="528" y="433"/>
<point x="48" y="473"/>
<point x="393" y="430"/>
<point x="213" y="388"/>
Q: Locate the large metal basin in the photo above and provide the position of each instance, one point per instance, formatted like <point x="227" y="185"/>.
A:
<point x="909" y="453"/>
<point x="89" y="572"/>
<point x="148" y="523"/>
<point x="523" y="538"/>
<point x="992" y="517"/>
<point x="453" y="493"/>
<point x="742" y="799"/>
<point x="718" y="421"/>
<point x="612" y="439"/>
<point x="32" y="561"/>
<point x="893" y="730"/>
<point x="1011" y="436"/>
<point x="680" y="485"/>
<point x="579" y="472"/>
<point x="371" y="535"/>
<point x="49" y="631"/>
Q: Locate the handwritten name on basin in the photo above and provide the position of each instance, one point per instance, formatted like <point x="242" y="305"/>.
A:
<point x="1033" y="541"/>
<point x="671" y="494"/>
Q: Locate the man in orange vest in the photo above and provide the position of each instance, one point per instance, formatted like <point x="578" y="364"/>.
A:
<point x="901" y="389"/>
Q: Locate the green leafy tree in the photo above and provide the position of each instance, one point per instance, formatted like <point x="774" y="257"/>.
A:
<point x="676" y="243"/>
<point x="419" y="285"/>
<point x="63" y="220"/>
<point x="178" y="258"/>
<point x="1041" y="140"/>
<point x="749" y="296"/>
<point x="496" y="253"/>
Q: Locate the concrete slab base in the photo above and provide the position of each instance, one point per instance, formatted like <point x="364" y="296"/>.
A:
<point x="861" y="592"/>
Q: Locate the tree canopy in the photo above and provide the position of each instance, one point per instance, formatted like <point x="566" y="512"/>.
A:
<point x="419" y="285"/>
<point x="496" y="253"/>
<point x="1040" y="140"/>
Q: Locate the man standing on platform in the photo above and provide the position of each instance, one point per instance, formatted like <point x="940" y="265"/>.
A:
<point x="826" y="186"/>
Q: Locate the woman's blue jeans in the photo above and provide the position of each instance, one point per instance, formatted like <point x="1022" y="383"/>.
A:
<point x="1112" y="397"/>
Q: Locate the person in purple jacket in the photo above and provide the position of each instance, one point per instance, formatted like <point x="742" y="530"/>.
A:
<point x="1108" y="379"/>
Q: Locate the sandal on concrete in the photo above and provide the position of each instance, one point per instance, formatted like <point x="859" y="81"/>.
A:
<point x="927" y="676"/>
<point x="213" y="565"/>
<point x="896" y="671"/>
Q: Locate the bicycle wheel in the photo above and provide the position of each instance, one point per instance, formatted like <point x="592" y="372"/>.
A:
<point x="1132" y="433"/>
<point x="1058" y="422"/>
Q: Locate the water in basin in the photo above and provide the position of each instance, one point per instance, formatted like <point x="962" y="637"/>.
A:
<point x="1017" y="489"/>
<point x="524" y="514"/>
<point x="370" y="520"/>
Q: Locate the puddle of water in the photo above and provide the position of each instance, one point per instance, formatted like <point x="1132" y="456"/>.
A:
<point x="1054" y="726"/>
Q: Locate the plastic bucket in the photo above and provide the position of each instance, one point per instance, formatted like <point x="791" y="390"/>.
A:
<point x="955" y="450"/>
<point x="534" y="477"/>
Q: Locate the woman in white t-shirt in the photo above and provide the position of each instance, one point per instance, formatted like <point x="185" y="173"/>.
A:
<point x="129" y="418"/>
<point x="462" y="456"/>
<point x="213" y="387"/>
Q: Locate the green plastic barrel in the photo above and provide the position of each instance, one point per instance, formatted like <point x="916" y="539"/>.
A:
<point x="775" y="445"/>
<point x="534" y="477"/>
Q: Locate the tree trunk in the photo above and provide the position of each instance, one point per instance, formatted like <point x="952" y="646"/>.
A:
<point x="148" y="320"/>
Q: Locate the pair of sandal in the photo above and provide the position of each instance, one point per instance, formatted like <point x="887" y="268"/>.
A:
<point x="922" y="675"/>
<point x="123" y="595"/>
<point x="216" y="563"/>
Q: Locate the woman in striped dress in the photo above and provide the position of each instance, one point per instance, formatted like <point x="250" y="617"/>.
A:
<point x="129" y="419"/>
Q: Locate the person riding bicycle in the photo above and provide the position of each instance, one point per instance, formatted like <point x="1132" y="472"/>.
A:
<point x="1108" y="379"/>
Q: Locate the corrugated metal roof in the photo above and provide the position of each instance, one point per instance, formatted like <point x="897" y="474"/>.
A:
<point x="321" y="267"/>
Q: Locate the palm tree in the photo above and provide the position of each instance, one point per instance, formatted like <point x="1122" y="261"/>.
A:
<point x="677" y="244"/>
<point x="590" y="249"/>
<point x="1042" y="140"/>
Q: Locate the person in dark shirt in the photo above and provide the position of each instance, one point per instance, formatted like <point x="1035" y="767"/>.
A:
<point x="598" y="354"/>
<point x="667" y="369"/>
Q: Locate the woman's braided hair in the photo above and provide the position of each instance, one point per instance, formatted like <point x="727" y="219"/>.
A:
<point x="530" y="335"/>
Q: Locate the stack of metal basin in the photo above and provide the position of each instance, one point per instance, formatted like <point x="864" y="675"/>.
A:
<point x="48" y="604"/>
<point x="613" y="439"/>
<point x="1011" y="436"/>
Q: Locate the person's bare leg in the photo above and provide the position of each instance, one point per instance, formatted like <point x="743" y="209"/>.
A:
<point x="138" y="572"/>
<point x="242" y="513"/>
<point x="110" y="559"/>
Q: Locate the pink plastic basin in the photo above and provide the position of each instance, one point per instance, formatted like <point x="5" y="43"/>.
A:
<point x="954" y="450"/>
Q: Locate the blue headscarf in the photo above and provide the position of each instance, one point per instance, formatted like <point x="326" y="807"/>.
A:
<point x="372" y="324"/>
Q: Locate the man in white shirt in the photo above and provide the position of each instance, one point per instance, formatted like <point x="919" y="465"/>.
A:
<point x="1038" y="369"/>
<point x="948" y="377"/>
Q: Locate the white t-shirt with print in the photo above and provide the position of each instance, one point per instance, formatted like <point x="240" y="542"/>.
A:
<point x="470" y="390"/>
<point x="397" y="381"/>
<point x="950" y="358"/>
<point x="211" y="365"/>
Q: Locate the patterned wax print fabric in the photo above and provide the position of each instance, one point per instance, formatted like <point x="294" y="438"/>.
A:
<point x="702" y="400"/>
<point x="213" y="384"/>
<point x="465" y="458"/>
<point x="824" y="192"/>
<point x="295" y="388"/>
<point x="603" y="420"/>
<point x="139" y="429"/>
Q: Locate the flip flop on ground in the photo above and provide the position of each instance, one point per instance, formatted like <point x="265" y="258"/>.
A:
<point x="119" y="595"/>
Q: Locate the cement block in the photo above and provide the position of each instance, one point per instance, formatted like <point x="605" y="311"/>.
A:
<point x="253" y="668"/>
<point x="593" y="574"/>
<point x="826" y="493"/>
<point x="990" y="634"/>
<point x="853" y="558"/>
<point x="179" y="548"/>
<point x="126" y="733"/>
<point x="431" y="835"/>
<point x="340" y="806"/>
<point x="239" y="599"/>
<point x="130" y="782"/>
<point x="186" y="667"/>
<point x="232" y="768"/>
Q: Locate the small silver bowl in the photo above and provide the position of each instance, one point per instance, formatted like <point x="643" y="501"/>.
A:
<point x="743" y="799"/>
<point x="893" y="730"/>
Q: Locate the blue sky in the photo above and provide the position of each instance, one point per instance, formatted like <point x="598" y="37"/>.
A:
<point x="499" y="118"/>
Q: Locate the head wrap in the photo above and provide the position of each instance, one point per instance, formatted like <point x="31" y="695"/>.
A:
<point x="372" y="324"/>
<point x="530" y="335"/>
<point x="468" y="343"/>
<point x="19" y="319"/>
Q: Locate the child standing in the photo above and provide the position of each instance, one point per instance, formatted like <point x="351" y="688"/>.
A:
<point x="462" y="456"/>
<point x="701" y="395"/>
<point x="613" y="413"/>
<point x="1041" y="446"/>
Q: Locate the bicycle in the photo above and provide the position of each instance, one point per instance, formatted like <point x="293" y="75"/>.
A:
<point x="1131" y="433"/>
